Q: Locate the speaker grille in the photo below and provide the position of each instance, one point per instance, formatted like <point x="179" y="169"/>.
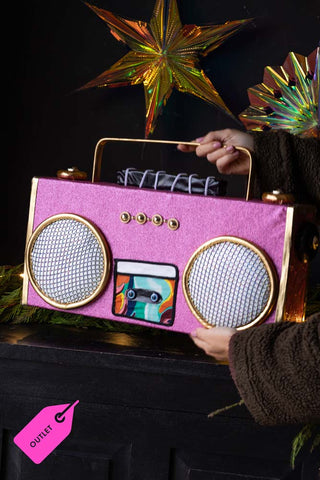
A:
<point x="229" y="282"/>
<point x="68" y="261"/>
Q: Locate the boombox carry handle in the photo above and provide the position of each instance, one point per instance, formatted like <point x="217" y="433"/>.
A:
<point x="96" y="171"/>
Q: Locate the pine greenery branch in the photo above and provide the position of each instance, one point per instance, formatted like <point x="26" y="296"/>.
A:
<point x="307" y="438"/>
<point x="12" y="312"/>
<point x="300" y="441"/>
<point x="225" y="409"/>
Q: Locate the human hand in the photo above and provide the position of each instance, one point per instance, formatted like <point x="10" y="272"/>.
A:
<point x="219" y="148"/>
<point x="214" y="341"/>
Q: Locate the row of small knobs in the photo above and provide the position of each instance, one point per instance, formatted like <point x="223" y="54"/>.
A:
<point x="156" y="219"/>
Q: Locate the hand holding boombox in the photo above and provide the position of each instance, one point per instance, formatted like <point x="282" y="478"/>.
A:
<point x="166" y="259"/>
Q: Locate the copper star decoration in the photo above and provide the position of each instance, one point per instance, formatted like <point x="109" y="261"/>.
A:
<point x="164" y="55"/>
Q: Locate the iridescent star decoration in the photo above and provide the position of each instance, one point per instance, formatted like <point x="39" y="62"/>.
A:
<point x="288" y="98"/>
<point x="163" y="55"/>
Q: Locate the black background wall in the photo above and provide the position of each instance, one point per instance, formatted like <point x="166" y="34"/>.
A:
<point x="52" y="48"/>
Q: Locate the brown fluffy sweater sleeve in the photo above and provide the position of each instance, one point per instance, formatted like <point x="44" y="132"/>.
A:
<point x="276" y="369"/>
<point x="288" y="162"/>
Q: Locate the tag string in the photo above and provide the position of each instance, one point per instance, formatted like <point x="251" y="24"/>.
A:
<point x="60" y="414"/>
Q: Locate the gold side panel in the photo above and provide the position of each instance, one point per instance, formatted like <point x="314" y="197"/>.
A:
<point x="33" y="197"/>
<point x="285" y="265"/>
<point x="294" y="275"/>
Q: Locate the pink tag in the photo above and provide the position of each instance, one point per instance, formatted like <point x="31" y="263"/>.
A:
<point x="46" y="431"/>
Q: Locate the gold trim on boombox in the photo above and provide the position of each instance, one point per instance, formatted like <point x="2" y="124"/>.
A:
<point x="265" y="260"/>
<point x="33" y="197"/>
<point x="102" y="243"/>
<point x="287" y="244"/>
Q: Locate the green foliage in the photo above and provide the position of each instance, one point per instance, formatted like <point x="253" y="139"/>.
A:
<point x="225" y="409"/>
<point x="300" y="440"/>
<point x="309" y="436"/>
<point x="11" y="310"/>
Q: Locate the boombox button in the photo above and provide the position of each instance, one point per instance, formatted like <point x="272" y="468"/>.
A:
<point x="72" y="173"/>
<point x="125" y="217"/>
<point x="141" y="218"/>
<point x="277" y="197"/>
<point x="157" y="220"/>
<point x="173" y="223"/>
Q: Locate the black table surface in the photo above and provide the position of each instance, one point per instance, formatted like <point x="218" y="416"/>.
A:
<point x="143" y="412"/>
<point x="69" y="344"/>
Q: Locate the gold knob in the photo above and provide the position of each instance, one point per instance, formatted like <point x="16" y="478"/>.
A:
<point x="173" y="224"/>
<point x="141" y="218"/>
<point x="125" y="217"/>
<point x="157" y="220"/>
<point x="72" y="173"/>
<point x="277" y="197"/>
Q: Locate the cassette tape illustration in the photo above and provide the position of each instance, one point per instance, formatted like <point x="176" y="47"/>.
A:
<point x="162" y="258"/>
<point x="145" y="291"/>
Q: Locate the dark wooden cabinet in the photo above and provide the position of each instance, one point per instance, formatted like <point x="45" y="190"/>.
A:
<point x="144" y="400"/>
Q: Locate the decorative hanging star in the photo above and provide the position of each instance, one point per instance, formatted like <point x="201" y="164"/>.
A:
<point x="288" y="98"/>
<point x="164" y="55"/>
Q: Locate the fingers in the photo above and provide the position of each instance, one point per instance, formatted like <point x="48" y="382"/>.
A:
<point x="217" y="353"/>
<point x="207" y="334"/>
<point x="214" y="341"/>
<point x="221" y="136"/>
<point x="207" y="148"/>
<point x="186" y="148"/>
<point x="224" y="159"/>
<point x="227" y="159"/>
<point x="201" y="333"/>
<point x="200" y="343"/>
<point x="230" y="136"/>
<point x="210" y="142"/>
<point x="218" y="148"/>
<point x="189" y="148"/>
<point x="214" y="155"/>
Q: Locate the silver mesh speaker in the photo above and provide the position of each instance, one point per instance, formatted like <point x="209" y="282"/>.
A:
<point x="67" y="261"/>
<point x="230" y="282"/>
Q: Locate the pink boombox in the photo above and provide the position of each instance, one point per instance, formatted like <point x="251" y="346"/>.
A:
<point x="166" y="259"/>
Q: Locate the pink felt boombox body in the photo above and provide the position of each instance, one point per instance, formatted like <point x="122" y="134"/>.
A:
<point x="165" y="259"/>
